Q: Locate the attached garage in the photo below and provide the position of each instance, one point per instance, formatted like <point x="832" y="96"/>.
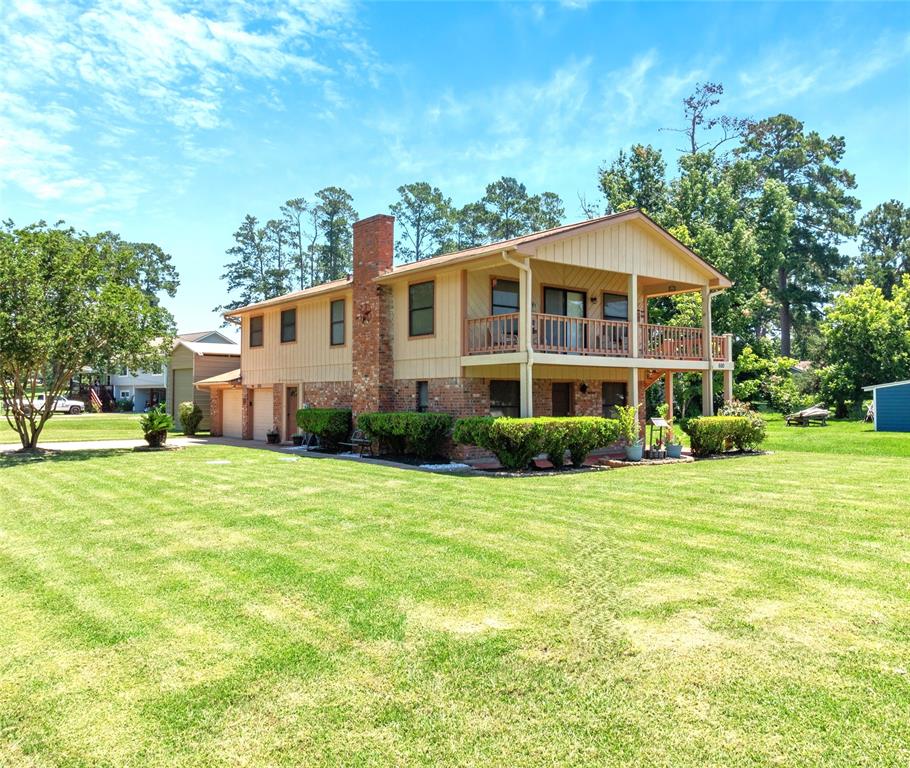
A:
<point x="263" y="417"/>
<point x="891" y="406"/>
<point x="193" y="362"/>
<point x="232" y="416"/>
<point x="181" y="391"/>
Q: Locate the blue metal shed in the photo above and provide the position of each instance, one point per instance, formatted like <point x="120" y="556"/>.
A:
<point x="892" y="406"/>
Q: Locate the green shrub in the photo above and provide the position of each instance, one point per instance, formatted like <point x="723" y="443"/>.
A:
<point x="628" y="423"/>
<point x="125" y="404"/>
<point x="516" y="441"/>
<point x="190" y="416"/>
<point x="408" y="432"/>
<point x="713" y="434"/>
<point x="155" y="424"/>
<point x="473" y="430"/>
<point x="330" y="425"/>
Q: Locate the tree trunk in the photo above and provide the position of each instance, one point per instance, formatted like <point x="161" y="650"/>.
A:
<point x="786" y="320"/>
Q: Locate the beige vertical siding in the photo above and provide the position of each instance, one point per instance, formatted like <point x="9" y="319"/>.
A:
<point x="429" y="357"/>
<point x="311" y="357"/>
<point x="625" y="248"/>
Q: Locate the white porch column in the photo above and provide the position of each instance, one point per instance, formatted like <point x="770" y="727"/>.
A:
<point x="668" y="392"/>
<point x="525" y="340"/>
<point x="632" y="296"/>
<point x="707" y="377"/>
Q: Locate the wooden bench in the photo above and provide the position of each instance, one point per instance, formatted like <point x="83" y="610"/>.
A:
<point x="814" y="415"/>
<point x="359" y="442"/>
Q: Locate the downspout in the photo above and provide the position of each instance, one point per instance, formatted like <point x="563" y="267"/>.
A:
<point x="526" y="302"/>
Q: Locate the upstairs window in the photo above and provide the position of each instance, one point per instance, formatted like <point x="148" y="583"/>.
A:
<point x="505" y="297"/>
<point x="336" y="316"/>
<point x="289" y="325"/>
<point x="420" y="309"/>
<point x="423" y="396"/>
<point x="256" y="331"/>
<point x="505" y="398"/>
<point x="616" y="306"/>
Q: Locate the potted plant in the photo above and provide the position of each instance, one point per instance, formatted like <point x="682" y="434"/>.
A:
<point x="155" y="424"/>
<point x="297" y="438"/>
<point x="273" y="436"/>
<point x="672" y="445"/>
<point x="630" y="431"/>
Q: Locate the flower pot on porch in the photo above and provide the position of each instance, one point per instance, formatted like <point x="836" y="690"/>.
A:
<point x="272" y="437"/>
<point x="674" y="451"/>
<point x="297" y="440"/>
<point x="156" y="439"/>
<point x="634" y="451"/>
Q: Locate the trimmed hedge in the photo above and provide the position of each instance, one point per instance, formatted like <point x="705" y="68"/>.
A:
<point x="516" y="441"/>
<point x="407" y="432"/>
<point x="714" y="434"/>
<point x="330" y="425"/>
<point x="190" y="417"/>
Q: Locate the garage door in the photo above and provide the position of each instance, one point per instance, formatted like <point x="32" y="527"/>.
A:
<point x="232" y="417"/>
<point x="181" y="391"/>
<point x="262" y="413"/>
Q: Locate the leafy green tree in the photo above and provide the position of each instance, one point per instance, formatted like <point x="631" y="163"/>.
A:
<point x="249" y="273"/>
<point x="884" y="251"/>
<point x="510" y="211"/>
<point x="70" y="300"/>
<point x="301" y="222"/>
<point x="277" y="242"/>
<point x="636" y="179"/>
<point x="867" y="341"/>
<point x="470" y="229"/>
<point x="425" y="220"/>
<point x="808" y="165"/>
<point x="335" y="216"/>
<point x="157" y="274"/>
<point x="705" y="132"/>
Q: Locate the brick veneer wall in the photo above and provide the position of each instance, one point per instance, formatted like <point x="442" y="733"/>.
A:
<point x="374" y="246"/>
<point x="326" y="394"/>
<point x="246" y="422"/>
<point x="216" y="409"/>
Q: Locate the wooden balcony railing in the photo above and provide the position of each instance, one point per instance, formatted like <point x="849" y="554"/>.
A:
<point x="589" y="336"/>
<point x="579" y="335"/>
<point x="670" y="342"/>
<point x="486" y="335"/>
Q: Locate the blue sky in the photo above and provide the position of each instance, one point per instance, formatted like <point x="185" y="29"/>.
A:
<point x="168" y="121"/>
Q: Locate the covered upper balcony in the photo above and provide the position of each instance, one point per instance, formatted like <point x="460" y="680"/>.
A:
<point x="581" y="312"/>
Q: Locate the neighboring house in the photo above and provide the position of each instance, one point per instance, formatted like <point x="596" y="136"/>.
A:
<point x="891" y="406"/>
<point x="197" y="356"/>
<point x="144" y="388"/>
<point x="552" y="323"/>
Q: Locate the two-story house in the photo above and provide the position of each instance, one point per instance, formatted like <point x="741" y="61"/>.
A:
<point x="551" y="323"/>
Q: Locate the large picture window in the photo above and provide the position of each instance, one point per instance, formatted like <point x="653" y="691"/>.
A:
<point x="337" y="319"/>
<point x="616" y="306"/>
<point x="256" y="331"/>
<point x="420" y="309"/>
<point x="505" y="398"/>
<point x="614" y="394"/>
<point x="289" y="325"/>
<point x="505" y="297"/>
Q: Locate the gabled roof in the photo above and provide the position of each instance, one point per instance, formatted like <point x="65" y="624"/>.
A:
<point x="315" y="290"/>
<point x="228" y="377"/>
<point x="205" y="348"/>
<point x="536" y="239"/>
<point x="889" y="384"/>
<point x="206" y="336"/>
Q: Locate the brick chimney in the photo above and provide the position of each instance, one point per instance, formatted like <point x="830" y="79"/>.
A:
<point x="374" y="247"/>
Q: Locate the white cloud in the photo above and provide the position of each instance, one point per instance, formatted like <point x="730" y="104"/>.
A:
<point x="76" y="74"/>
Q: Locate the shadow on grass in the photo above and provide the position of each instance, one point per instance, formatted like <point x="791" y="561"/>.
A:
<point x="15" y="458"/>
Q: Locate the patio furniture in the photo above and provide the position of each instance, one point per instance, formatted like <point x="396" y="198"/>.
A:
<point x="359" y="442"/>
<point x="817" y="414"/>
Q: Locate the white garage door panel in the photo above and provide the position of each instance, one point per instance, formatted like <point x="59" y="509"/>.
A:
<point x="232" y="418"/>
<point x="262" y="413"/>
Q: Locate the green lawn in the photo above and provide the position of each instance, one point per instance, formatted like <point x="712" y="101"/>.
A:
<point x="62" y="427"/>
<point x="164" y="610"/>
